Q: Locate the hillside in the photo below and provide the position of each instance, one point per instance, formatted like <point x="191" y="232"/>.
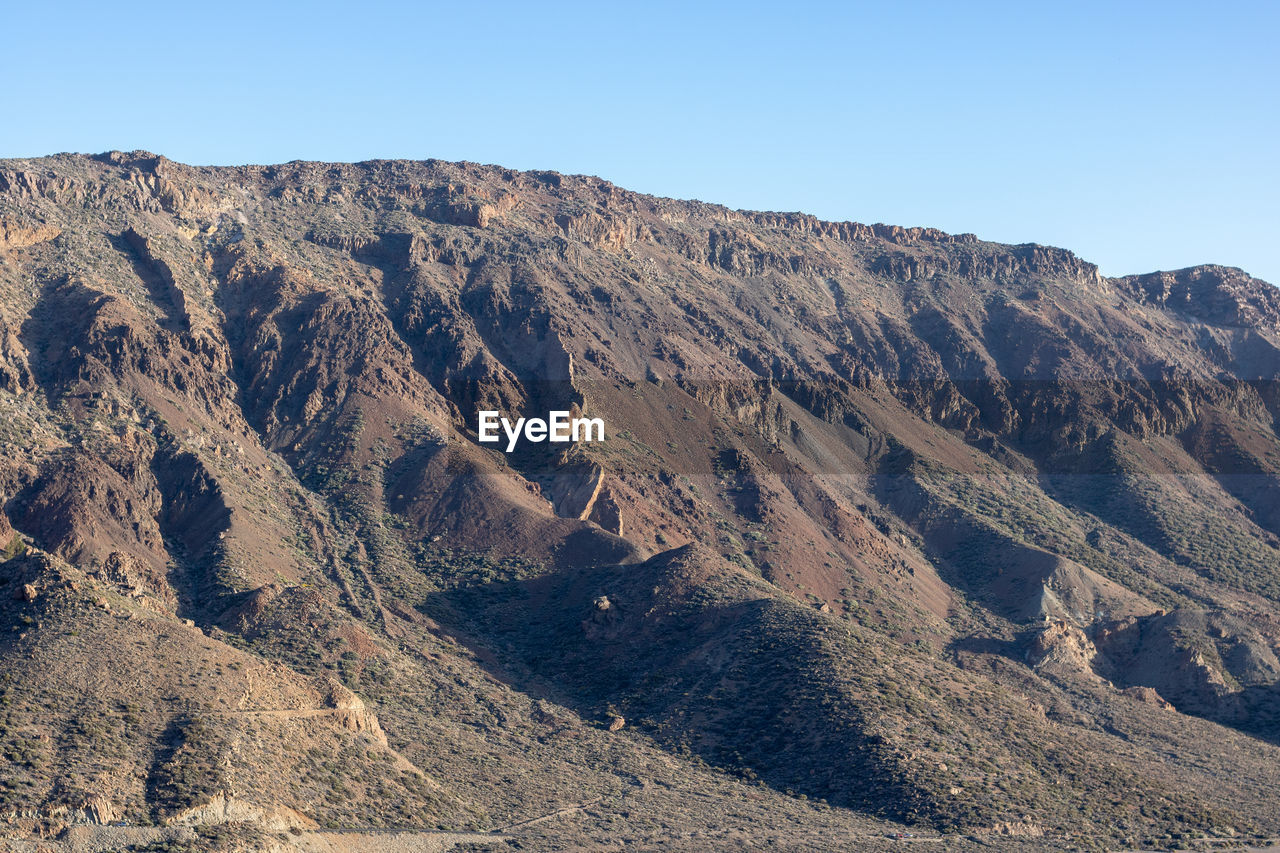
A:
<point x="892" y="530"/>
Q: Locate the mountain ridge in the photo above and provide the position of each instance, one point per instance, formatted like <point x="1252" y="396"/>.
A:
<point x="840" y="229"/>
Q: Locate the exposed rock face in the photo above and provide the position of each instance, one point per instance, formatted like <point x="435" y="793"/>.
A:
<point x="578" y="496"/>
<point x="136" y="578"/>
<point x="1202" y="662"/>
<point x="6" y="530"/>
<point x="606" y="512"/>
<point x="15" y="235"/>
<point x="1063" y="646"/>
<point x="352" y="712"/>
<point x="1224" y="296"/>
<point x="581" y="492"/>
<point x="885" y="516"/>
<point x="222" y="808"/>
<point x="1149" y="696"/>
<point x="1019" y="829"/>
<point x="100" y="810"/>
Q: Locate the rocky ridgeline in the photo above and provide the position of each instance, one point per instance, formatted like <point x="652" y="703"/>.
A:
<point x="1225" y="296"/>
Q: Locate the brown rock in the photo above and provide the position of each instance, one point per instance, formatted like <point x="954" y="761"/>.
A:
<point x="1148" y="696"/>
<point x="100" y="810"/>
<point x="1064" y="647"/>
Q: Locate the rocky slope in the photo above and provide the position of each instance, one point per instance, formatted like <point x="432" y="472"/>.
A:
<point x="890" y="527"/>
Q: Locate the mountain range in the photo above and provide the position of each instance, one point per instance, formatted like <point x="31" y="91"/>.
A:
<point x="892" y="531"/>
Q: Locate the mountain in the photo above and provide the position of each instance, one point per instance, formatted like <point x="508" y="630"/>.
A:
<point x="891" y="530"/>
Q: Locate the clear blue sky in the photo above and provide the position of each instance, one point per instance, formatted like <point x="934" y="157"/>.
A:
<point x="1142" y="135"/>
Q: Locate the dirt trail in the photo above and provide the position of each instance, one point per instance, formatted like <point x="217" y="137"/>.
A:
<point x="107" y="839"/>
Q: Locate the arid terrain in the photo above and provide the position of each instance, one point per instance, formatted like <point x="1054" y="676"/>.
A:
<point x="893" y="531"/>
